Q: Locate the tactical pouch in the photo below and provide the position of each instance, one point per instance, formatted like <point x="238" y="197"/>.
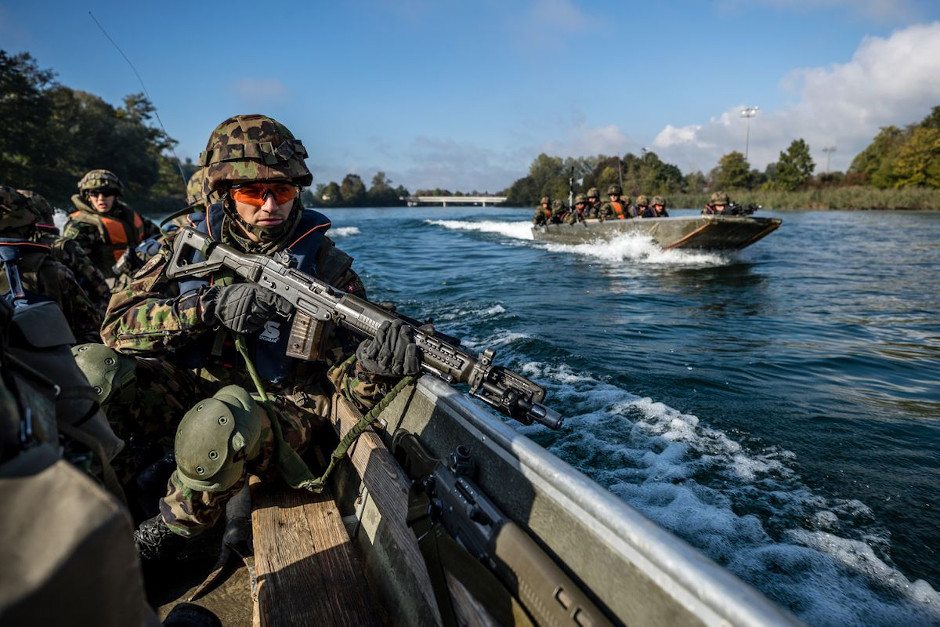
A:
<point x="40" y="338"/>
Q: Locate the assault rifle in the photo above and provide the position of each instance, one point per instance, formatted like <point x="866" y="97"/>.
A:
<point x="735" y="209"/>
<point x="197" y="254"/>
<point x="459" y="507"/>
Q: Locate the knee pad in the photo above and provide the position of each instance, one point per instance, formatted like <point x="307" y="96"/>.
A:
<point x="111" y="374"/>
<point x="216" y="438"/>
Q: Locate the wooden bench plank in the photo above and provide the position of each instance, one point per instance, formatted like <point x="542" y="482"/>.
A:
<point x="307" y="570"/>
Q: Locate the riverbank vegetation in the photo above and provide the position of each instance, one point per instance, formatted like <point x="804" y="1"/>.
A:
<point x="54" y="134"/>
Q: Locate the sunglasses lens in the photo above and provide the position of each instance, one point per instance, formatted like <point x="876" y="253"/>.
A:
<point x="256" y="193"/>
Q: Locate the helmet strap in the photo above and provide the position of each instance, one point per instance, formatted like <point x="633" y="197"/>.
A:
<point x="267" y="234"/>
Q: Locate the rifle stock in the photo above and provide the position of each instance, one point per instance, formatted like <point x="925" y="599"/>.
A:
<point x="196" y="254"/>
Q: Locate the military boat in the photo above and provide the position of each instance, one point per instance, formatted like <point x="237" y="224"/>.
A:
<point x="577" y="554"/>
<point x="707" y="232"/>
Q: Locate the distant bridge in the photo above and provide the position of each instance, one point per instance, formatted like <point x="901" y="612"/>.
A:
<point x="414" y="201"/>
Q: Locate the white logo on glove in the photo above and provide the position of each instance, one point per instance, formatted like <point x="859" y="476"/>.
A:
<point x="272" y="331"/>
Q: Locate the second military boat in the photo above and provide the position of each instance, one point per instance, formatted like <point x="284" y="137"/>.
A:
<point x="707" y="232"/>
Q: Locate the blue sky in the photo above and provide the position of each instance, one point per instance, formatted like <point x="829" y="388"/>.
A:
<point x="464" y="95"/>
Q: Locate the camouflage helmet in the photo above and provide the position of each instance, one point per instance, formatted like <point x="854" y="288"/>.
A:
<point x="215" y="438"/>
<point x="15" y="209"/>
<point x="101" y="179"/>
<point x="659" y="200"/>
<point x="556" y="204"/>
<point x="40" y="204"/>
<point x="252" y="148"/>
<point x="194" y="187"/>
<point x="580" y="198"/>
<point x="719" y="198"/>
<point x="593" y="193"/>
<point x="642" y="201"/>
<point x="615" y="189"/>
<point x="545" y="200"/>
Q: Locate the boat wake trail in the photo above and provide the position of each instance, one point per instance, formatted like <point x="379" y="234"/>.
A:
<point x="749" y="511"/>
<point x="344" y="231"/>
<point x="641" y="249"/>
<point x="515" y="230"/>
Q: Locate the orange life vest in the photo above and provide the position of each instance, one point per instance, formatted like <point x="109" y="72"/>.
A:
<point x="618" y="209"/>
<point x="115" y="234"/>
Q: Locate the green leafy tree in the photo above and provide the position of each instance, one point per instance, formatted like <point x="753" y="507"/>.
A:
<point x="795" y="166"/>
<point x="25" y="108"/>
<point x="875" y="163"/>
<point x="733" y="172"/>
<point x="917" y="162"/>
<point x="352" y="191"/>
<point x="382" y="194"/>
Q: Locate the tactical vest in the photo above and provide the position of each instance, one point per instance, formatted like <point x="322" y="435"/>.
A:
<point x="267" y="347"/>
<point x="619" y="210"/>
<point x="116" y="234"/>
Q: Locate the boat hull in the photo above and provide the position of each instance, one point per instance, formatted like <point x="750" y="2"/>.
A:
<point x="697" y="233"/>
<point x="638" y="572"/>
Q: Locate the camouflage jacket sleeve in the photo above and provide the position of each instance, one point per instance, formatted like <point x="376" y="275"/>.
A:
<point x="85" y="234"/>
<point x="70" y="253"/>
<point x="83" y="316"/>
<point x="149" y="316"/>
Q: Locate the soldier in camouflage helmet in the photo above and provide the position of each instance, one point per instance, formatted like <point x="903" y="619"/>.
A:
<point x="543" y="213"/>
<point x="69" y="252"/>
<point x="659" y="207"/>
<point x="558" y="212"/>
<point x="255" y="167"/>
<point x="643" y="209"/>
<point x="577" y="213"/>
<point x="30" y="272"/>
<point x="105" y="226"/>
<point x="717" y="204"/>
<point x="593" y="207"/>
<point x="617" y="207"/>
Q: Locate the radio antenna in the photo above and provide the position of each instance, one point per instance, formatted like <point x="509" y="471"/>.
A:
<point x="179" y="164"/>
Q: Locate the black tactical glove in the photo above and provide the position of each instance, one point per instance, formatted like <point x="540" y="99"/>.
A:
<point x="392" y="352"/>
<point x="243" y="307"/>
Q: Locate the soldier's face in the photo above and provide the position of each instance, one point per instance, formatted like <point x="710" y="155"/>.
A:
<point x="268" y="214"/>
<point x="101" y="200"/>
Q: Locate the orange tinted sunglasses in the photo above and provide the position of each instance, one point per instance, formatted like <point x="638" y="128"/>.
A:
<point x="256" y="193"/>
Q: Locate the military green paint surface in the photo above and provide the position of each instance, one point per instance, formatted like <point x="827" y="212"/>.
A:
<point x="698" y="233"/>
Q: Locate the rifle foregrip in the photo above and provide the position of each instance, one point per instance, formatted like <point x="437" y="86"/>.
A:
<point x="549" y="595"/>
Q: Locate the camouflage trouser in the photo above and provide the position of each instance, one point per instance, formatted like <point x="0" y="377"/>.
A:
<point x="147" y="416"/>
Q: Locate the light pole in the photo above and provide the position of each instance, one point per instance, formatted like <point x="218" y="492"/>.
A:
<point x="748" y="113"/>
<point x="828" y="150"/>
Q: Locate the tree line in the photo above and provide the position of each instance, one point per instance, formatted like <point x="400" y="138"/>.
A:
<point x="54" y="134"/>
<point x="896" y="158"/>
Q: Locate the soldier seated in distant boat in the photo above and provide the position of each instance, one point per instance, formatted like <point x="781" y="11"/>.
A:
<point x="593" y="206"/>
<point x="580" y="209"/>
<point x="659" y="207"/>
<point x="717" y="204"/>
<point x="558" y="212"/>
<point x="643" y="209"/>
<point x="618" y="207"/>
<point x="543" y="212"/>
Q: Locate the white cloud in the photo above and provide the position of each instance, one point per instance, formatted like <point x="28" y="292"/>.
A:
<point x="889" y="81"/>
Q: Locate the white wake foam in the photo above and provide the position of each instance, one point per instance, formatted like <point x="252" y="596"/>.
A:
<point x="515" y="230"/>
<point x="749" y="511"/>
<point x="344" y="231"/>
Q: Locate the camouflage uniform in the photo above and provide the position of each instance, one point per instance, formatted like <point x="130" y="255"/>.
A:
<point x="578" y="213"/>
<point x="106" y="236"/>
<point x="618" y="208"/>
<point x="151" y="318"/>
<point x="42" y="276"/>
<point x="593" y="204"/>
<point x="558" y="212"/>
<point x="717" y="204"/>
<point x="643" y="209"/>
<point x="659" y="207"/>
<point x="543" y="212"/>
<point x="69" y="252"/>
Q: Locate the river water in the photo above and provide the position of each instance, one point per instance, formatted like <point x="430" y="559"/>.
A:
<point x="778" y="407"/>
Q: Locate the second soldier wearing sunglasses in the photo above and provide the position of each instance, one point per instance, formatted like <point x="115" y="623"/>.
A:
<point x="256" y="168"/>
<point x="106" y="227"/>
